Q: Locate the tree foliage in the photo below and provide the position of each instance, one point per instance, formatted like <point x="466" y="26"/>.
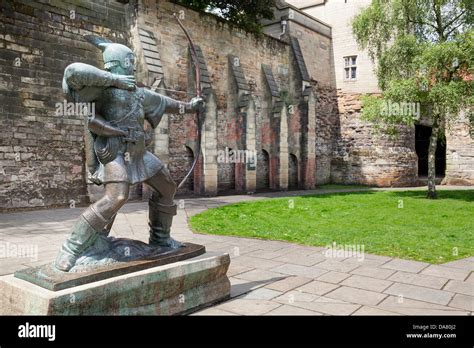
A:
<point x="424" y="50"/>
<point x="245" y="14"/>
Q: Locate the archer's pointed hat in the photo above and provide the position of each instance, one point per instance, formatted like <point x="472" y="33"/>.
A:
<point x="113" y="53"/>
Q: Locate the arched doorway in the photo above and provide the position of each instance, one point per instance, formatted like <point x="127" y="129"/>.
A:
<point x="226" y="173"/>
<point x="263" y="170"/>
<point x="292" y="172"/>
<point x="189" y="159"/>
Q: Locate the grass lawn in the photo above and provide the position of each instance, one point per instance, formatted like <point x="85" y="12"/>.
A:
<point x="398" y="224"/>
<point x="339" y="187"/>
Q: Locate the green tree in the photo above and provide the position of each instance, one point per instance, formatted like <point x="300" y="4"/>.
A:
<point x="424" y="51"/>
<point x="245" y="14"/>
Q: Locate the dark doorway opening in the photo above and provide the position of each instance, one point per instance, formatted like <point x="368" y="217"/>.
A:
<point x="189" y="162"/>
<point x="226" y="175"/>
<point x="422" y="142"/>
<point x="263" y="171"/>
<point x="292" y="172"/>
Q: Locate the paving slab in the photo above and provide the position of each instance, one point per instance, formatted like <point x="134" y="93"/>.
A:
<point x="405" y="265"/>
<point x="289" y="283"/>
<point x="338" y="266"/>
<point x="359" y="296"/>
<point x="296" y="296"/>
<point x="333" y="277"/>
<point x="261" y="294"/>
<point x="331" y="308"/>
<point x="303" y="271"/>
<point x="248" y="307"/>
<point x="368" y="310"/>
<point x="419" y="279"/>
<point x="265" y="254"/>
<point x="213" y="311"/>
<point x="374" y="272"/>
<point x="366" y="283"/>
<point x="272" y="245"/>
<point x="466" y="288"/>
<point x="380" y="258"/>
<point x="292" y="310"/>
<point x="240" y="286"/>
<point x="406" y="306"/>
<point x="297" y="258"/>
<point x="365" y="262"/>
<point x="253" y="262"/>
<point x="446" y="272"/>
<point x="317" y="287"/>
<point x="420" y="293"/>
<point x="463" y="302"/>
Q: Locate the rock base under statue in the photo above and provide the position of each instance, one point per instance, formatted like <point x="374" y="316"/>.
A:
<point x="176" y="288"/>
<point x="93" y="266"/>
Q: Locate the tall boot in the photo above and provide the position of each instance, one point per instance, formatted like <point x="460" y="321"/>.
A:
<point x="84" y="233"/>
<point x="160" y="220"/>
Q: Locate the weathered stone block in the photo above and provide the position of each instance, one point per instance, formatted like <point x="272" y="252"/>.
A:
<point x="176" y="288"/>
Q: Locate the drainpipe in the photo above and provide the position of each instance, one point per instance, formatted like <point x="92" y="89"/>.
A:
<point x="284" y="24"/>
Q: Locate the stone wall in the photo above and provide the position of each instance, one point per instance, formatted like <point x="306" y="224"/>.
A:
<point x="46" y="168"/>
<point x="460" y="152"/>
<point x="326" y="131"/>
<point x="363" y="157"/>
<point x="217" y="42"/>
<point x="292" y="112"/>
<point x="41" y="153"/>
<point x="316" y="49"/>
<point x="339" y="15"/>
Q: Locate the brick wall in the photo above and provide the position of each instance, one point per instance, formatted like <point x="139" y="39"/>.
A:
<point x="217" y="41"/>
<point x="42" y="154"/>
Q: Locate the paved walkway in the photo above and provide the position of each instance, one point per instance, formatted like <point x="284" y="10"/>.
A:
<point x="271" y="277"/>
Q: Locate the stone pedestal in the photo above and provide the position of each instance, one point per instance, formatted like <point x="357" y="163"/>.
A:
<point x="177" y="288"/>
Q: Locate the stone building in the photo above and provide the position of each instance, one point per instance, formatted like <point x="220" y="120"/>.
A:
<point x="358" y="156"/>
<point x="278" y="116"/>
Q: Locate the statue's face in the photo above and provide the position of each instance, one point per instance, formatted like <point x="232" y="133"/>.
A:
<point x="119" y="59"/>
<point x="129" y="64"/>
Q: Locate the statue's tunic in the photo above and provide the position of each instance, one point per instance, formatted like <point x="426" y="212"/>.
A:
<point x="122" y="158"/>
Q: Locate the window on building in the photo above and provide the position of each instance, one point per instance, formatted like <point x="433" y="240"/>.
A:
<point x="350" y="68"/>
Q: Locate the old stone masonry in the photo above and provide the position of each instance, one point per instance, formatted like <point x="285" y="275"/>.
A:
<point x="277" y="98"/>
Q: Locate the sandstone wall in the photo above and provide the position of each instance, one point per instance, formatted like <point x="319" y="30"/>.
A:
<point x="217" y="41"/>
<point x="42" y="154"/>
<point x="304" y="125"/>
<point x="361" y="157"/>
<point x="460" y="152"/>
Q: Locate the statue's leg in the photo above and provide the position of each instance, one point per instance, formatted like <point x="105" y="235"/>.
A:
<point x="91" y="223"/>
<point x="161" y="209"/>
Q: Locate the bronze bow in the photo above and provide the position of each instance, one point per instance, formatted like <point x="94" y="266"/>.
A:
<point x="200" y="121"/>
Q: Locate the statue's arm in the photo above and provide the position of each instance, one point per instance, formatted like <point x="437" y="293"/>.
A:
<point x="99" y="126"/>
<point x="156" y="105"/>
<point x="79" y="75"/>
